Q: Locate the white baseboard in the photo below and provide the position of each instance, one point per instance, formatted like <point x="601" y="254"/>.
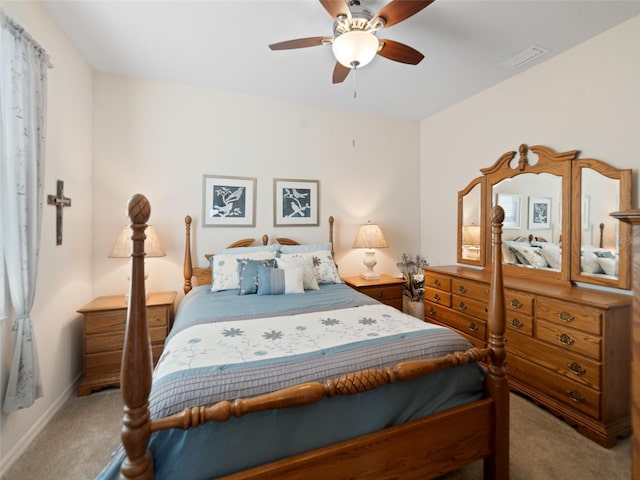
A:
<point x="21" y="446"/>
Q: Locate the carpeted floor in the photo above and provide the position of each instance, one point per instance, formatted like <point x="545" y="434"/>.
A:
<point x="80" y="438"/>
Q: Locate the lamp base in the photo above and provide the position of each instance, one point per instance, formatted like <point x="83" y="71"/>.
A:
<point x="370" y="276"/>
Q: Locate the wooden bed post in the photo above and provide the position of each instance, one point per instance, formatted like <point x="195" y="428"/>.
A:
<point x="137" y="365"/>
<point x="496" y="466"/>
<point x="187" y="266"/>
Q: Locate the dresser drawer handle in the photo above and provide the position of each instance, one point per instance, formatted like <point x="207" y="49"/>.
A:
<point x="461" y="289"/>
<point x="576" y="368"/>
<point x="515" y="303"/>
<point x="576" y="396"/>
<point x="431" y="311"/>
<point x="565" y="317"/>
<point x="462" y="306"/>
<point x="436" y="282"/>
<point x="515" y="323"/>
<point x="566" y="339"/>
<point x="473" y="327"/>
<point x="436" y="297"/>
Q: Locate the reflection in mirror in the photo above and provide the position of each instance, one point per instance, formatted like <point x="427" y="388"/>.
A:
<point x="470" y="232"/>
<point x="533" y="220"/>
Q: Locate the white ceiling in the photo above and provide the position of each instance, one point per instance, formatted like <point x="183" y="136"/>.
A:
<point x="224" y="44"/>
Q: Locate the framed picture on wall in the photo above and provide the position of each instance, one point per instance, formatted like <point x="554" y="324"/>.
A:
<point x="295" y="202"/>
<point x="539" y="213"/>
<point x="228" y="201"/>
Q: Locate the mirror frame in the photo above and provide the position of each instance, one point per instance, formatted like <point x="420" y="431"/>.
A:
<point x="551" y="162"/>
<point x="461" y="195"/>
<point x="624" y="229"/>
<point x="569" y="168"/>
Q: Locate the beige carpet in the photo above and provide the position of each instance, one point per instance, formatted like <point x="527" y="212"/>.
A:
<point x="80" y="438"/>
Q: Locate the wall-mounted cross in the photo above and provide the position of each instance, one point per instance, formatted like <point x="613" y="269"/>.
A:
<point x="60" y="201"/>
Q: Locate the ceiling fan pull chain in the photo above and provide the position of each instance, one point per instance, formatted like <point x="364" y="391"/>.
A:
<point x="355" y="96"/>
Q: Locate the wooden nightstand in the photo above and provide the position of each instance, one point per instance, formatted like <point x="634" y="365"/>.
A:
<point x="386" y="289"/>
<point x="104" y="325"/>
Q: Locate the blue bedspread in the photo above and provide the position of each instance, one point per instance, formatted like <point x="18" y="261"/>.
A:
<point x="218" y="449"/>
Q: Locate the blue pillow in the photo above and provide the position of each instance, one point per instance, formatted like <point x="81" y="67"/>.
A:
<point x="248" y="273"/>
<point x="278" y="281"/>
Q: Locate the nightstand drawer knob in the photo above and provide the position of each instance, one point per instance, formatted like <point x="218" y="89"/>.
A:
<point x="473" y="327"/>
<point x="380" y="294"/>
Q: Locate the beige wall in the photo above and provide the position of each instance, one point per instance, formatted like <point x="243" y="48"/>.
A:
<point x="64" y="274"/>
<point x="160" y="138"/>
<point x="587" y="98"/>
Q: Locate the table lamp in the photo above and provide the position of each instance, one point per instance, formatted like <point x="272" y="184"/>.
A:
<point x="370" y="236"/>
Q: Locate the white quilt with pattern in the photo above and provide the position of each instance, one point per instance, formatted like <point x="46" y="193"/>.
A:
<point x="231" y="343"/>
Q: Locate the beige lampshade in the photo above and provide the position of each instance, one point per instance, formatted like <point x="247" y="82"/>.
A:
<point x="471" y="235"/>
<point x="123" y="246"/>
<point x="370" y="236"/>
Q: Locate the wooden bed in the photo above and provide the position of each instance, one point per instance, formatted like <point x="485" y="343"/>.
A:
<point x="420" y="449"/>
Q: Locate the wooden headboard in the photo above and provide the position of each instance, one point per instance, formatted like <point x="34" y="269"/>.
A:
<point x="203" y="274"/>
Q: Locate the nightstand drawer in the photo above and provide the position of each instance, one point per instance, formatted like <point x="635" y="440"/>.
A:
<point x="108" y="342"/>
<point x="384" y="294"/>
<point x="105" y="322"/>
<point x="105" y="363"/>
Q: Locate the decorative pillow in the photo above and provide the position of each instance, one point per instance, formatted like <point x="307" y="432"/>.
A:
<point x="552" y="254"/>
<point x="224" y="266"/>
<point x="305" y="248"/>
<point x="589" y="262"/>
<point x="508" y="255"/>
<point x="248" y="273"/>
<point x="322" y="261"/>
<point x="277" y="281"/>
<point x="530" y="256"/>
<point x="609" y="265"/>
<point x="603" y="254"/>
<point x="301" y="261"/>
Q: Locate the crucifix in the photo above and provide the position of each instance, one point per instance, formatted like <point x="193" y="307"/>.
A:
<point x="60" y="201"/>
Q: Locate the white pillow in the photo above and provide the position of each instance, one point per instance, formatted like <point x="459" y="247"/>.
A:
<point x="305" y="262"/>
<point x="532" y="255"/>
<point x="609" y="265"/>
<point x="552" y="254"/>
<point x="293" y="280"/>
<point x="224" y="267"/>
<point x="322" y="261"/>
<point x="589" y="262"/>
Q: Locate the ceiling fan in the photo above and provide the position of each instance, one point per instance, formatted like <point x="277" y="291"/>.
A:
<point x="354" y="40"/>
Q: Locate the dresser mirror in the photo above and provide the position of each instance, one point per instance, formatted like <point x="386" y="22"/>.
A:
<point x="470" y="231"/>
<point x="557" y="225"/>
<point x="600" y="257"/>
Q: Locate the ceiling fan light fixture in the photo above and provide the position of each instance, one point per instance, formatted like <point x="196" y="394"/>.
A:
<point x="355" y="48"/>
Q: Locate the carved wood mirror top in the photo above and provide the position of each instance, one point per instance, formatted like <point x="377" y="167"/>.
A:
<point x="557" y="224"/>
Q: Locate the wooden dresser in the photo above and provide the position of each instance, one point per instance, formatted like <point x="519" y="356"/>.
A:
<point x="104" y="325"/>
<point x="568" y="347"/>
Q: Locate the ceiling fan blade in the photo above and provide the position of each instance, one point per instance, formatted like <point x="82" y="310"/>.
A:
<point x="399" y="52"/>
<point x="336" y="7"/>
<point x="340" y="72"/>
<point x="300" y="43"/>
<point x="398" y="10"/>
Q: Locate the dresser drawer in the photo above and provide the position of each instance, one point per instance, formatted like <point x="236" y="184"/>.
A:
<point x="470" y="289"/>
<point x="470" y="306"/>
<point x="519" y="323"/>
<point x="570" y="314"/>
<point x="562" y="389"/>
<point x="441" y="282"/>
<point x="464" y="323"/>
<point x="437" y="296"/>
<point x="569" y="339"/>
<point x="567" y="364"/>
<point x="518" y="301"/>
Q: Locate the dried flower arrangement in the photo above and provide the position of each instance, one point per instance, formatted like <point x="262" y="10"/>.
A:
<point x="411" y="269"/>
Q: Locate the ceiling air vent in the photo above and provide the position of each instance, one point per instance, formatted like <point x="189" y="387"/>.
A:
<point x="525" y="56"/>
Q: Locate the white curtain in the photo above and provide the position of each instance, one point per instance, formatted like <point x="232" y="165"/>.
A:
<point x="22" y="140"/>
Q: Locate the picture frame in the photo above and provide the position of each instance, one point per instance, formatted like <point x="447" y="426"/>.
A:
<point x="511" y="204"/>
<point x="539" y="213"/>
<point x="295" y="202"/>
<point x="228" y="201"/>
